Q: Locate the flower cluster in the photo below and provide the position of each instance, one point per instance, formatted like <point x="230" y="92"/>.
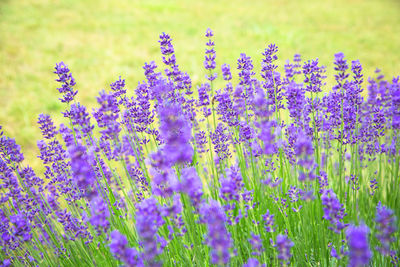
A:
<point x="244" y="171"/>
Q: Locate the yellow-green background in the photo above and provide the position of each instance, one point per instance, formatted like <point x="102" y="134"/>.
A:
<point x="101" y="40"/>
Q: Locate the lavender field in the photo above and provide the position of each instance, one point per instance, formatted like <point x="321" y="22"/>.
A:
<point x="253" y="167"/>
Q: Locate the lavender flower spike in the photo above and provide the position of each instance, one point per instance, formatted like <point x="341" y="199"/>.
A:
<point x="386" y="227"/>
<point x="67" y="82"/>
<point x="218" y="237"/>
<point x="359" y="252"/>
<point x="283" y="245"/>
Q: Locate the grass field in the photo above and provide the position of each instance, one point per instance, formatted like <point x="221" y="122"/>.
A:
<point x="101" y="40"/>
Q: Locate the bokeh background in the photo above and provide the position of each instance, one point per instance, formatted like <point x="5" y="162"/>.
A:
<point x="102" y="40"/>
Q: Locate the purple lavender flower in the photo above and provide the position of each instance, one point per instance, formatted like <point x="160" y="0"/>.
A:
<point x="256" y="243"/>
<point x="6" y="263"/>
<point x="386" y="227"/>
<point x="201" y="141"/>
<point x="47" y="126"/>
<point x="333" y="210"/>
<point x="191" y="185"/>
<point x="273" y="83"/>
<point x="293" y="194"/>
<point x="231" y="185"/>
<point x="9" y="150"/>
<point x="176" y="132"/>
<point x="67" y="82"/>
<point x="269" y="220"/>
<point x="30" y="179"/>
<point x="80" y="118"/>
<point x="359" y="252"/>
<point x="246" y="73"/>
<point x="356" y="69"/>
<point x="253" y="262"/>
<point x="313" y="78"/>
<point x="220" y="140"/>
<point x="283" y="245"/>
<point x="164" y="183"/>
<point x="174" y="209"/>
<point x="289" y="72"/>
<point x="295" y="101"/>
<point x="99" y="214"/>
<point x="297" y="64"/>
<point x="142" y="113"/>
<point x="204" y="100"/>
<point x="373" y="184"/>
<point x="82" y="171"/>
<point x="246" y="132"/>
<point x="167" y="49"/>
<point x="267" y="133"/>
<point x="169" y="59"/>
<point x="226" y="72"/>
<point x="106" y="116"/>
<point x="148" y="220"/>
<point x="304" y="150"/>
<point x="119" y="88"/>
<point x="209" y="62"/>
<point x="21" y="227"/>
<point x="149" y="72"/>
<point x="395" y="105"/>
<point x="269" y="57"/>
<point x="323" y="181"/>
<point x="226" y="109"/>
<point x="119" y="248"/>
<point x="341" y="67"/>
<point x="218" y="237"/>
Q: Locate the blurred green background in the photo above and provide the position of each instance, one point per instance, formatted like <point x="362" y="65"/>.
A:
<point x="101" y="40"/>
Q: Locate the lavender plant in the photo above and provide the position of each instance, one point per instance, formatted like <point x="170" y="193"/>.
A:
<point x="261" y="169"/>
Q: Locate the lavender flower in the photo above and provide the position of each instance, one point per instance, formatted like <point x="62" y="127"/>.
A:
<point x="359" y="252"/>
<point x="246" y="73"/>
<point x="272" y="79"/>
<point x="204" y="100"/>
<point x="80" y="118"/>
<point x="82" y="171"/>
<point x="269" y="221"/>
<point x="395" y="105"/>
<point x="67" y="82"/>
<point x="201" y="141"/>
<point x="47" y="126"/>
<point x="386" y="227"/>
<point x="150" y="74"/>
<point x="106" y="116"/>
<point x="218" y="237"/>
<point x="220" y="139"/>
<point x="231" y="185"/>
<point x="99" y="214"/>
<point x="167" y="50"/>
<point x="176" y="132"/>
<point x="283" y="245"/>
<point x="191" y="185"/>
<point x="226" y="109"/>
<point x="9" y="150"/>
<point x="313" y="78"/>
<point x="295" y="101"/>
<point x="253" y="262"/>
<point x="226" y="72"/>
<point x="373" y="184"/>
<point x="341" y="67"/>
<point x="148" y="220"/>
<point x="209" y="62"/>
<point x="119" y="248"/>
<point x="333" y="210"/>
<point x="119" y="88"/>
<point x="256" y="243"/>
